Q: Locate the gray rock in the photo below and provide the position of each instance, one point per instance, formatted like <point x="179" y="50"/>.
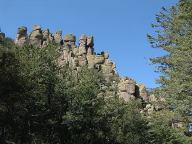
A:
<point x="91" y="61"/>
<point x="83" y="40"/>
<point x="90" y="41"/>
<point x="36" y="27"/>
<point x="69" y="38"/>
<point x="36" y="36"/>
<point x="90" y="51"/>
<point x="46" y="40"/>
<point x="143" y="92"/>
<point x="21" y="37"/>
<point x="46" y="34"/>
<point x="58" y="37"/>
<point x="99" y="59"/>
<point x="106" y="55"/>
<point x="127" y="88"/>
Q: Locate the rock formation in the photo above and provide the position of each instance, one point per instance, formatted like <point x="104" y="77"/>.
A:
<point x="127" y="88"/>
<point x="36" y="36"/>
<point x="21" y="37"/>
<point x="83" y="54"/>
<point x="143" y="92"/>
<point x="58" y="37"/>
<point x="47" y="38"/>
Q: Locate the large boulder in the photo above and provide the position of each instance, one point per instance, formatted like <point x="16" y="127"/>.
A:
<point x="21" y="37"/>
<point x="91" y="61"/>
<point x="47" y="38"/>
<point x="90" y="41"/>
<point x="82" y="50"/>
<point x="99" y="59"/>
<point x="106" y="55"/>
<point x="90" y="51"/>
<point x="36" y="36"/>
<point x="82" y="45"/>
<point x="83" y="39"/>
<point x="108" y="67"/>
<point x="127" y="88"/>
<point x="90" y="44"/>
<point x="143" y="92"/>
<point x="69" y="38"/>
<point x="58" y="37"/>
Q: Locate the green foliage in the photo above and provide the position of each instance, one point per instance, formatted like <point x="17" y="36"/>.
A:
<point x="128" y="126"/>
<point x="161" y="130"/>
<point x="174" y="35"/>
<point x="42" y="102"/>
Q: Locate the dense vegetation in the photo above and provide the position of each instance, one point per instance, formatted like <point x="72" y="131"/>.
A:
<point x="173" y="34"/>
<point x="42" y="102"/>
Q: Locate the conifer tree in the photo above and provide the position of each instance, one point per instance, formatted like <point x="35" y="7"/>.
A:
<point x="173" y="34"/>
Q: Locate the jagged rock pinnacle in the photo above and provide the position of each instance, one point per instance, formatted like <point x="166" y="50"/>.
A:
<point x="80" y="55"/>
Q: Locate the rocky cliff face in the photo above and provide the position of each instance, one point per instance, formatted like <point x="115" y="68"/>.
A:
<point x="80" y="55"/>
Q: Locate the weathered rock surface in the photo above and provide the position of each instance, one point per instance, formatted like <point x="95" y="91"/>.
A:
<point x="58" y="37"/>
<point x="36" y="36"/>
<point x="47" y="38"/>
<point x="21" y="37"/>
<point x="83" y="54"/>
<point x="127" y="88"/>
<point x="143" y="92"/>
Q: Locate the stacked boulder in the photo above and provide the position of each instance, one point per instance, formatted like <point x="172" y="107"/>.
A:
<point x="77" y="56"/>
<point x="127" y="88"/>
<point x="143" y="93"/>
<point x="47" y="38"/>
<point x="36" y="36"/>
<point x="58" y="37"/>
<point x="22" y="36"/>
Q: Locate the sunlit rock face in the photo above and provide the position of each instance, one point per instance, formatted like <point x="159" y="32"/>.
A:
<point x="21" y="37"/>
<point x="36" y="36"/>
<point x="83" y="54"/>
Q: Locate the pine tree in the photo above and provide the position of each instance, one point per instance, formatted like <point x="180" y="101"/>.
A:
<point x="174" y="35"/>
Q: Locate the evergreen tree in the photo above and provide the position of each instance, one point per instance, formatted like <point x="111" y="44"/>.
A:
<point x="174" y="35"/>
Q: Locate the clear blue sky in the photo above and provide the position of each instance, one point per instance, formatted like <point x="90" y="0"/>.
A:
<point x="119" y="27"/>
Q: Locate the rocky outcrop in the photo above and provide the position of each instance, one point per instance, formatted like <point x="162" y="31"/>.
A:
<point x="21" y="37"/>
<point x="77" y="56"/>
<point x="58" y="37"/>
<point x="143" y="92"/>
<point x="47" y="38"/>
<point x="36" y="36"/>
<point x="127" y="88"/>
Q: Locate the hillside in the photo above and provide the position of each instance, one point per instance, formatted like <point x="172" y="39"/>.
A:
<point x="77" y="56"/>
